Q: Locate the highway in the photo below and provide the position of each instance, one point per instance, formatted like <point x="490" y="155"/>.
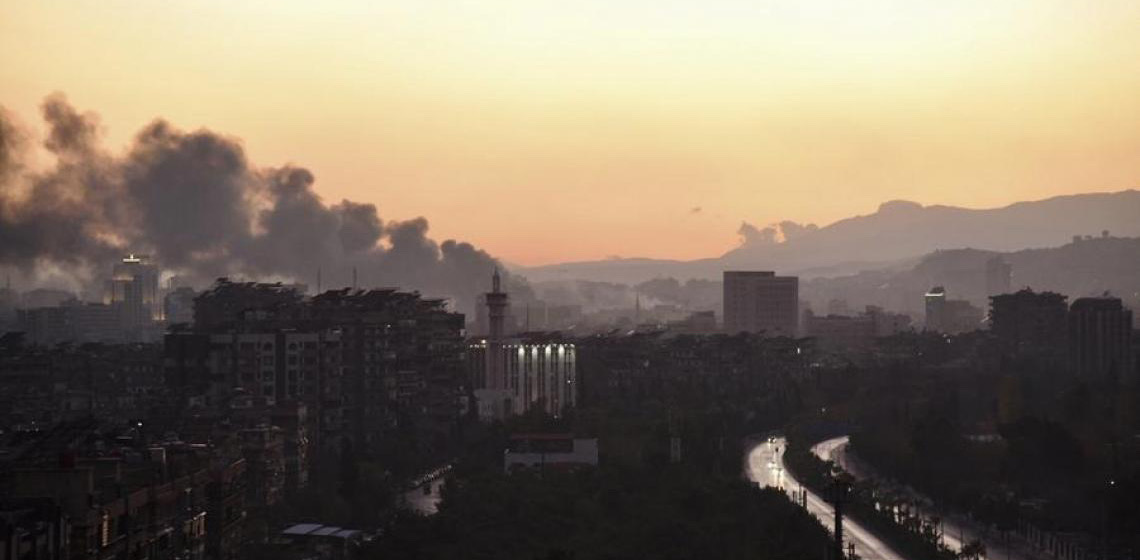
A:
<point x="955" y="530"/>
<point x="766" y="468"/>
<point x="834" y="450"/>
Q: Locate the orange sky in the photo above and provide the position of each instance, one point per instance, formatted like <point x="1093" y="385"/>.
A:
<point x="547" y="131"/>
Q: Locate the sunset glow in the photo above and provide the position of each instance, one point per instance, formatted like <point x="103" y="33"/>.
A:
<point x="614" y="127"/>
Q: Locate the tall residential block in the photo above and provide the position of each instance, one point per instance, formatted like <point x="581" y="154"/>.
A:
<point x="1100" y="340"/>
<point x="761" y="302"/>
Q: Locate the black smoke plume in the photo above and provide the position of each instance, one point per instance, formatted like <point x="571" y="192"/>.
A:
<point x="202" y="210"/>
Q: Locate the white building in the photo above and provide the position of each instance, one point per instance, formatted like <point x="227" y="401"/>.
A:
<point x="535" y="374"/>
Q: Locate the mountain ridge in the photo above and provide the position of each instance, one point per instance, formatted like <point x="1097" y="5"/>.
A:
<point x="896" y="231"/>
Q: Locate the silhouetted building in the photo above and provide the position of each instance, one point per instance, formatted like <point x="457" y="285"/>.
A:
<point x="846" y="332"/>
<point x="366" y="363"/>
<point x="73" y="321"/>
<point x="760" y="302"/>
<point x="312" y="541"/>
<point x="950" y="316"/>
<point x="9" y="301"/>
<point x="887" y="323"/>
<point x="44" y="297"/>
<point x="133" y="292"/>
<point x="227" y="304"/>
<point x="999" y="276"/>
<point x="178" y="306"/>
<point x="1100" y="339"/>
<point x="33" y="529"/>
<point x="698" y="322"/>
<point x="840" y="332"/>
<point x="141" y="501"/>
<point x="1028" y="321"/>
<point x="550" y="451"/>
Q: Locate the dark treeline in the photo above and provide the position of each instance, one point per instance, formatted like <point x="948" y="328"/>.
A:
<point x="1006" y="437"/>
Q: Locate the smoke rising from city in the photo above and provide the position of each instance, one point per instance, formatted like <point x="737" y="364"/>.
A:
<point x="194" y="202"/>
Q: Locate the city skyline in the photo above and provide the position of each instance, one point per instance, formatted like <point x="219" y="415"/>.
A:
<point x="686" y="122"/>
<point x="606" y="279"/>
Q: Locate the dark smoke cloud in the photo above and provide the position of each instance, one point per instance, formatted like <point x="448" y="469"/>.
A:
<point x="201" y="209"/>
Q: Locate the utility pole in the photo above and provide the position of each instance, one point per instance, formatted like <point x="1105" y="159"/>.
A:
<point x="839" y="493"/>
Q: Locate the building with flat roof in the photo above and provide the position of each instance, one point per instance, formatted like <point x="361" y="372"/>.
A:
<point x="550" y="451"/>
<point x="1028" y="321"/>
<point x="951" y="316"/>
<point x="761" y="302"/>
<point x="1100" y="340"/>
<point x="538" y="372"/>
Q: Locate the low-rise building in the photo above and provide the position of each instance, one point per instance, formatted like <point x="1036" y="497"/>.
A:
<point x="550" y="451"/>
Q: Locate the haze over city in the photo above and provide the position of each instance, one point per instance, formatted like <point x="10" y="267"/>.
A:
<point x="613" y="128"/>
<point x="591" y="280"/>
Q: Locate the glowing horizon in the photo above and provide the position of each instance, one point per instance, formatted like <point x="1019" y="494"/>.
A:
<point x="543" y="132"/>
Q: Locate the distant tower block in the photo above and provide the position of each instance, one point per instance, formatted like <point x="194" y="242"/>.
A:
<point x="999" y="276"/>
<point x="497" y="303"/>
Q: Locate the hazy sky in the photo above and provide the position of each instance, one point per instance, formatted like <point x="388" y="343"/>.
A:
<point x="546" y="131"/>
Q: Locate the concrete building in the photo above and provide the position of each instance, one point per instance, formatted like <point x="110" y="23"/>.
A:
<point x="697" y="323"/>
<point x="1100" y="340"/>
<point x="141" y="501"/>
<point x="178" y="306"/>
<point x="840" y="332"/>
<point x="133" y="291"/>
<point x="538" y="372"/>
<point x="760" y="302"/>
<point x="853" y="332"/>
<point x="320" y="542"/>
<point x="71" y="321"/>
<point x="550" y="451"/>
<point x="1029" y="322"/>
<point x="364" y="362"/>
<point x="887" y="323"/>
<point x="999" y="276"/>
<point x="951" y="316"/>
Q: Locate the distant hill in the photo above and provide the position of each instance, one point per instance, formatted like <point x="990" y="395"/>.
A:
<point x="1087" y="267"/>
<point x="898" y="230"/>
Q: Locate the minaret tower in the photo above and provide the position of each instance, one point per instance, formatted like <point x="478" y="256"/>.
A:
<point x="497" y="301"/>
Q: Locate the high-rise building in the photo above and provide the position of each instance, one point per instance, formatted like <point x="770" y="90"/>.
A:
<point x="1100" y="339"/>
<point x="364" y="362"/>
<point x="1028" y="321"/>
<point x="760" y="302"/>
<point x="178" y="306"/>
<point x="935" y="300"/>
<point x="999" y="276"/>
<point x="133" y="290"/>
<point x="951" y="316"/>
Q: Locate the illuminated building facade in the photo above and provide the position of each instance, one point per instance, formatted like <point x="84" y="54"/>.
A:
<point x="537" y="373"/>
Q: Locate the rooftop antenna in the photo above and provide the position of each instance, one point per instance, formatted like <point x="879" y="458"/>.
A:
<point x="318" y="280"/>
<point x="354" y="278"/>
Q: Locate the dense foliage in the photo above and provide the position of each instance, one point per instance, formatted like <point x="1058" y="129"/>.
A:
<point x="613" y="513"/>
